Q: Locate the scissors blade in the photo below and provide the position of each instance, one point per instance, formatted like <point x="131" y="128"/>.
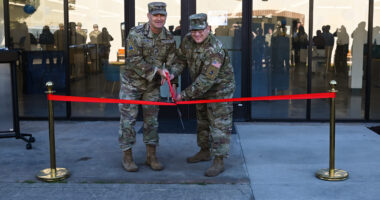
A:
<point x="173" y="98"/>
<point x="180" y="117"/>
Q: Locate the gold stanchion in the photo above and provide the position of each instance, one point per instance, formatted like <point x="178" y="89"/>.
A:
<point x="332" y="174"/>
<point x="52" y="174"/>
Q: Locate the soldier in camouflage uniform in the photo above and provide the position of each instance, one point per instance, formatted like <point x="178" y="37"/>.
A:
<point x="149" y="47"/>
<point x="213" y="78"/>
<point x="94" y="50"/>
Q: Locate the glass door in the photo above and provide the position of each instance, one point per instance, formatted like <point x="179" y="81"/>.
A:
<point x="375" y="73"/>
<point x="339" y="53"/>
<point x="96" y="54"/>
<point x="279" y="57"/>
<point x="2" y="30"/>
<point x="37" y="30"/>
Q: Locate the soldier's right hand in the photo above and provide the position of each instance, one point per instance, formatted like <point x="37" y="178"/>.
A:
<point x="178" y="97"/>
<point x="163" y="80"/>
<point x="162" y="72"/>
<point x="174" y="86"/>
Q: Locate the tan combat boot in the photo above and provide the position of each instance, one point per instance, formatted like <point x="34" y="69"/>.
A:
<point x="216" y="168"/>
<point x="151" y="158"/>
<point x="128" y="162"/>
<point x="202" y="155"/>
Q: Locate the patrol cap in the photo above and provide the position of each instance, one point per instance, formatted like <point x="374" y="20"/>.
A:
<point x="198" y="21"/>
<point x="79" y="24"/>
<point x="95" y="26"/>
<point x="157" y="8"/>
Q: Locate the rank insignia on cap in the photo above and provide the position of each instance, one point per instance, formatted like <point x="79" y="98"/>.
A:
<point x="216" y="64"/>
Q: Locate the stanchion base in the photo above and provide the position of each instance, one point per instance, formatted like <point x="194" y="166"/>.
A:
<point x="339" y="175"/>
<point x="47" y="176"/>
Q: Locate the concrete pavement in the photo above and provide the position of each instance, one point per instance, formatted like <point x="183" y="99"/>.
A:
<point x="282" y="159"/>
<point x="268" y="161"/>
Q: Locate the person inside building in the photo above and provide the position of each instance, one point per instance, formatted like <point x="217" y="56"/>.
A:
<point x="329" y="44"/>
<point x="341" y="51"/>
<point x="46" y="39"/>
<point x="94" y="49"/>
<point x="59" y="38"/>
<point x="104" y="41"/>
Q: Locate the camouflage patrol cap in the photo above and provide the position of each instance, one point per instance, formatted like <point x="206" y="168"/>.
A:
<point x="157" y="8"/>
<point x="198" y="21"/>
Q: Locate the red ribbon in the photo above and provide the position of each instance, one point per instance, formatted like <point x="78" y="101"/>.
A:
<point x="266" y="98"/>
<point x="170" y="86"/>
<point x="327" y="95"/>
<point x="104" y="100"/>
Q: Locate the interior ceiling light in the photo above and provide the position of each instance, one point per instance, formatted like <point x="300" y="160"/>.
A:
<point x="17" y="4"/>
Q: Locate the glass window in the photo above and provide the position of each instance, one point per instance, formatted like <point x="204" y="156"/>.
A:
<point x="279" y="57"/>
<point x="33" y="31"/>
<point x="338" y="54"/>
<point x="2" y="33"/>
<point x="375" y="87"/>
<point x="96" y="54"/>
<point x="225" y="19"/>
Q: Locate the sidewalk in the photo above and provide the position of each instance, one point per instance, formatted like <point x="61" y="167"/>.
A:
<point x="282" y="159"/>
<point x="267" y="161"/>
<point x="91" y="152"/>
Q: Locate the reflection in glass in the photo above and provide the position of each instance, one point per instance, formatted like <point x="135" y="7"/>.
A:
<point x="279" y="57"/>
<point x="42" y="56"/>
<point x="2" y="30"/>
<point x="96" y="54"/>
<point x="375" y="72"/>
<point x="6" y="120"/>
<point x="341" y="57"/>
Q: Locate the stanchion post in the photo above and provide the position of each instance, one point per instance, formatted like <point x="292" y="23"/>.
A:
<point x="332" y="174"/>
<point x="52" y="174"/>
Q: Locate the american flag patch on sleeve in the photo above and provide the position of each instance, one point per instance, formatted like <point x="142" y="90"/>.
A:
<point x="216" y="64"/>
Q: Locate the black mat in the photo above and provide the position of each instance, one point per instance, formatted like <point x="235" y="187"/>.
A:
<point x="375" y="129"/>
<point x="174" y="126"/>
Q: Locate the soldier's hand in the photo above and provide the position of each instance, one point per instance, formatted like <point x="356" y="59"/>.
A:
<point x="174" y="86"/>
<point x="163" y="72"/>
<point x="163" y="80"/>
<point x="178" y="97"/>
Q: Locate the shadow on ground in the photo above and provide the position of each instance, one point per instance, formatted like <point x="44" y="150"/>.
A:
<point x="375" y="129"/>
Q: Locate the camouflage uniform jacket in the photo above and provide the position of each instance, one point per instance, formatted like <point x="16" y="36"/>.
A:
<point x="146" y="53"/>
<point x="209" y="66"/>
<point x="94" y="36"/>
<point x="83" y="36"/>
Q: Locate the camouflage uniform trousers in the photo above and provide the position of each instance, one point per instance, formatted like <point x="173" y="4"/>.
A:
<point x="214" y="127"/>
<point x="127" y="133"/>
